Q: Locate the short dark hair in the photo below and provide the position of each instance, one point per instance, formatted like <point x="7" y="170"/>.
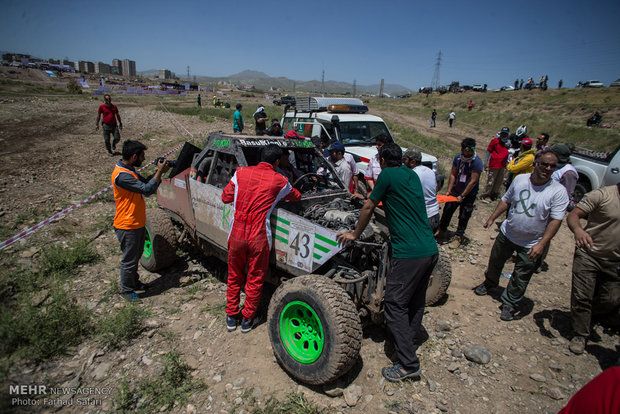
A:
<point x="468" y="142"/>
<point x="543" y="152"/>
<point x="545" y="135"/>
<point x="132" y="148"/>
<point x="238" y="106"/>
<point x="271" y="153"/>
<point x="392" y="154"/>
<point x="385" y="138"/>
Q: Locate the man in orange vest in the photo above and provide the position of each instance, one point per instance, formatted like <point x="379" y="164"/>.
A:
<point x="130" y="218"/>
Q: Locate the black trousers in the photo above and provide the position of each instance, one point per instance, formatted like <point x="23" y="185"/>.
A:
<point x="465" y="211"/>
<point x="405" y="296"/>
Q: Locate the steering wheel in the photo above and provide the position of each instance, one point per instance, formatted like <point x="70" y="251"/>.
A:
<point x="304" y="184"/>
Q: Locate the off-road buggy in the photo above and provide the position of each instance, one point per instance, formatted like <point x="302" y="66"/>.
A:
<point x="325" y="291"/>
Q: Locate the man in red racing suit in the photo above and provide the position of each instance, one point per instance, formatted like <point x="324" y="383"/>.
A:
<point x="254" y="191"/>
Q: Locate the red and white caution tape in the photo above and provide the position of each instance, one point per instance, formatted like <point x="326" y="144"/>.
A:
<point x="66" y="211"/>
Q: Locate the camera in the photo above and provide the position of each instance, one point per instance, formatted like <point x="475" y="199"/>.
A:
<point x="170" y="164"/>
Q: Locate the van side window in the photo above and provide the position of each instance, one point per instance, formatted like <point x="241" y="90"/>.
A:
<point x="225" y="167"/>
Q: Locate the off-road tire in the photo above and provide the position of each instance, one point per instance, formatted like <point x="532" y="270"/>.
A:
<point x="160" y="232"/>
<point x="440" y="280"/>
<point x="340" y="322"/>
<point x="580" y="191"/>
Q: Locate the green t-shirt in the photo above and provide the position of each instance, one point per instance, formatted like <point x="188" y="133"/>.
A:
<point x="401" y="191"/>
<point x="238" y="120"/>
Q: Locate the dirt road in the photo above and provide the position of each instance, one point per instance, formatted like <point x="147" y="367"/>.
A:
<point x="52" y="157"/>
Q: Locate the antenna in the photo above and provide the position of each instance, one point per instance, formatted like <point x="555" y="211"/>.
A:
<point x="188" y="78"/>
<point x="354" y="87"/>
<point x="323" y="82"/>
<point x="435" y="82"/>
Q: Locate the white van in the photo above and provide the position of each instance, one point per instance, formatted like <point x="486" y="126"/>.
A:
<point x="346" y="120"/>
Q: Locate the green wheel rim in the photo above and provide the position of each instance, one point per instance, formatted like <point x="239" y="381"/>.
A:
<point x="301" y="332"/>
<point x="148" y="245"/>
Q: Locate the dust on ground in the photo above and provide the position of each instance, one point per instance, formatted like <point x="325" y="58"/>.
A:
<point x="52" y="157"/>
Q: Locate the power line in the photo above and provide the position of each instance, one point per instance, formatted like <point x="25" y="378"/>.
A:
<point x="435" y="82"/>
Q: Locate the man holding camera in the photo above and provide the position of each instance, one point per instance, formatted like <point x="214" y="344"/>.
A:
<point x="130" y="217"/>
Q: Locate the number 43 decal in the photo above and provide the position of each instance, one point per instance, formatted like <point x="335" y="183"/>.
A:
<point x="301" y="247"/>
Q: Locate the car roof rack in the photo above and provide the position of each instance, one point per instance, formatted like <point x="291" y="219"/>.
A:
<point x="315" y="104"/>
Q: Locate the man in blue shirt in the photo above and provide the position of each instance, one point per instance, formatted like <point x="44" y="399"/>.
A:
<point x="463" y="184"/>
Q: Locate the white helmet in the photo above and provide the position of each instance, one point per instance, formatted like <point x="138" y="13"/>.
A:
<point x="522" y="131"/>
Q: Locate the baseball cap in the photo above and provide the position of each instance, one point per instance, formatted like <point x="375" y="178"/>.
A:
<point x="505" y="130"/>
<point x="413" y="154"/>
<point x="336" y="146"/>
<point x="563" y="153"/>
<point x="526" y="142"/>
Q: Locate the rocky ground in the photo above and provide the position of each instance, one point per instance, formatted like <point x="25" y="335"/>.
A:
<point x="472" y="361"/>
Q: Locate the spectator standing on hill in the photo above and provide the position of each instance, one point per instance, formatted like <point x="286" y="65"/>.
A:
<point x="414" y="255"/>
<point x="130" y="215"/>
<point x="470" y="105"/>
<point x="253" y="191"/>
<point x="495" y="164"/>
<point x="537" y="205"/>
<point x="109" y="124"/>
<point x="198" y="100"/>
<point x="238" y="119"/>
<point x="412" y="158"/>
<point x="433" y="118"/>
<point x="451" y="118"/>
<point x="560" y="84"/>
<point x="462" y="184"/>
<point x="516" y="84"/>
<point x="596" y="264"/>
<point x="261" y="118"/>
<point x="521" y="84"/>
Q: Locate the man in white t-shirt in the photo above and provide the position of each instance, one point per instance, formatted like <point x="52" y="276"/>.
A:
<point x="537" y="205"/>
<point x="374" y="169"/>
<point x="412" y="158"/>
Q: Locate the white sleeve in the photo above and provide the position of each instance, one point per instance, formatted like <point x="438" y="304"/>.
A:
<point x="559" y="202"/>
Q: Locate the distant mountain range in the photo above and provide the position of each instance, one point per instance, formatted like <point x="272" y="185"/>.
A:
<point x="262" y="81"/>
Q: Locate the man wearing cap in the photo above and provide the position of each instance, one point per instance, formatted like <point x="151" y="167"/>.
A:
<point x="342" y="167"/>
<point x="565" y="174"/>
<point x="596" y="264"/>
<point x="495" y="164"/>
<point x="463" y="184"/>
<point x="261" y="118"/>
<point x="373" y="169"/>
<point x="537" y="205"/>
<point x="524" y="163"/>
<point x="238" y="120"/>
<point x="412" y="158"/>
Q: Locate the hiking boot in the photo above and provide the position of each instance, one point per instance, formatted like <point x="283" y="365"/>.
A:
<point x="398" y="373"/>
<point x="442" y="237"/>
<point x="232" y="322"/>
<point x="577" y="344"/>
<point x="456" y="242"/>
<point x="508" y="313"/>
<point x="248" y="324"/>
<point x="482" y="289"/>
<point x="131" y="297"/>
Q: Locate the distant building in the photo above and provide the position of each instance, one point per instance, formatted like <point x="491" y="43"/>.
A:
<point x="129" y="67"/>
<point x="102" y="68"/>
<point x="54" y="61"/>
<point x="14" y="57"/>
<point x="68" y="62"/>
<point x="117" y="67"/>
<point x="84" y="66"/>
<point x="164" y="74"/>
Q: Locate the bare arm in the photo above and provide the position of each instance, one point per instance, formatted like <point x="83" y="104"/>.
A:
<point x="502" y="206"/>
<point x="365" y="215"/>
<point x="98" y="119"/>
<point x="118" y="117"/>
<point x="582" y="238"/>
<point x="451" y="180"/>
<point x="475" y="176"/>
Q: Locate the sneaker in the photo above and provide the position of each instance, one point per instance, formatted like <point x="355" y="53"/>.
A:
<point x="248" y="324"/>
<point x="131" y="297"/>
<point x="232" y="322"/>
<point x="577" y="344"/>
<point x="398" y="373"/>
<point x="442" y="237"/>
<point x="508" y="313"/>
<point x="544" y="267"/>
<point x="456" y="242"/>
<point x="482" y="289"/>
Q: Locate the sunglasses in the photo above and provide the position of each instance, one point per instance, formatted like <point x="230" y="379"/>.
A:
<point x="470" y="148"/>
<point x="548" y="164"/>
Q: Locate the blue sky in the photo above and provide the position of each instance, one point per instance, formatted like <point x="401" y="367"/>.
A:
<point x="490" y="42"/>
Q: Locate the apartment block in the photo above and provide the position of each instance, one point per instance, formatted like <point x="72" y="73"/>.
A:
<point x="102" y="68"/>
<point x="129" y="67"/>
<point x="164" y="74"/>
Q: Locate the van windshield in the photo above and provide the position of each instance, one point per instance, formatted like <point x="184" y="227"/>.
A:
<point x="358" y="133"/>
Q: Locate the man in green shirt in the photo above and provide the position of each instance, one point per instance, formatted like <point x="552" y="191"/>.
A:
<point x="238" y="120"/>
<point x="414" y="255"/>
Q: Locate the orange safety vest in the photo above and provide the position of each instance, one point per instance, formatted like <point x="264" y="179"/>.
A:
<point x="130" y="206"/>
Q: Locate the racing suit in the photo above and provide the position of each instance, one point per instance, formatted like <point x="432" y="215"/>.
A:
<point x="254" y="191"/>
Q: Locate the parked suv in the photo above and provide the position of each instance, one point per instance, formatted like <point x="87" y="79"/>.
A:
<point x="346" y="120"/>
<point x="326" y="290"/>
<point x="285" y="100"/>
